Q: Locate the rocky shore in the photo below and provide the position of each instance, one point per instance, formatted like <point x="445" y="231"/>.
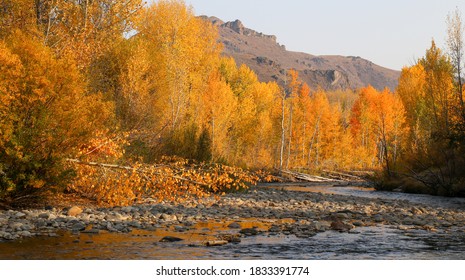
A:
<point x="302" y="214"/>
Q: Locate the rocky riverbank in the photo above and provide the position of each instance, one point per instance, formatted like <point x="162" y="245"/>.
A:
<point x="302" y="214"/>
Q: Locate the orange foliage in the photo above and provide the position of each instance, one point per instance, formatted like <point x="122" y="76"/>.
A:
<point x="173" y="179"/>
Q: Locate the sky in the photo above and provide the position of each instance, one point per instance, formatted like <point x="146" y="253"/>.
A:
<point x="390" y="33"/>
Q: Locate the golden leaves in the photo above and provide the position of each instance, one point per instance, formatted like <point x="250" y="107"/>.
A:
<point x="174" y="179"/>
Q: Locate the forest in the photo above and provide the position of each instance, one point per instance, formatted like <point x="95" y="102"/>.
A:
<point x="115" y="99"/>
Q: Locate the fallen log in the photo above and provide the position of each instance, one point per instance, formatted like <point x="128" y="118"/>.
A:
<point x="129" y="168"/>
<point x="309" y="178"/>
<point x="343" y="176"/>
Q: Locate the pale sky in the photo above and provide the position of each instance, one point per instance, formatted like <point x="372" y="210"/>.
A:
<point x="391" y="33"/>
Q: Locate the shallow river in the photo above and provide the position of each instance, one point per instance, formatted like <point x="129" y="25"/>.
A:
<point x="380" y="242"/>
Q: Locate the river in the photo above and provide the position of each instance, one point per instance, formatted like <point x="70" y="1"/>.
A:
<point x="367" y="242"/>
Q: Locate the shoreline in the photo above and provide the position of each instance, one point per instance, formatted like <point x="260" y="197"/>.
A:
<point x="306" y="213"/>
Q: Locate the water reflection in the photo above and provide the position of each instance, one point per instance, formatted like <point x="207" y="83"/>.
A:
<point x="370" y="243"/>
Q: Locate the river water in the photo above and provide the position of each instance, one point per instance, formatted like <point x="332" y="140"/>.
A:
<point x="379" y="242"/>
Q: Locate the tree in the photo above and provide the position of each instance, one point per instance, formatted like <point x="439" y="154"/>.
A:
<point x="48" y="118"/>
<point x="182" y="53"/>
<point x="439" y="94"/>
<point x="455" y="33"/>
<point x="219" y="108"/>
<point x="429" y="96"/>
<point x="377" y="124"/>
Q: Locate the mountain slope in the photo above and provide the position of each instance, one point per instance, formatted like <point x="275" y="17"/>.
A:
<point x="270" y="61"/>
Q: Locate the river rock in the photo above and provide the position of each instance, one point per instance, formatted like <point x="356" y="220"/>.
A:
<point x="19" y="215"/>
<point x="180" y="229"/>
<point x="16" y="226"/>
<point x="341" y="226"/>
<point x="168" y="218"/>
<point x="446" y="224"/>
<point x="116" y="217"/>
<point x="342" y="215"/>
<point x="135" y="224"/>
<point x="25" y="233"/>
<point x="78" y="226"/>
<point x="419" y="222"/>
<point x="319" y="226"/>
<point x="74" y="211"/>
<point x="44" y="215"/>
<point x="6" y="235"/>
<point x="249" y="231"/>
<point x="378" y="218"/>
<point x="402" y="227"/>
<point x="234" y="225"/>
<point x="127" y="209"/>
<point x="429" y="228"/>
<point x="170" y="239"/>
<point x="274" y="228"/>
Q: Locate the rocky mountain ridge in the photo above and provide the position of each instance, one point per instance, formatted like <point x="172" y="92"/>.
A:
<point x="270" y="60"/>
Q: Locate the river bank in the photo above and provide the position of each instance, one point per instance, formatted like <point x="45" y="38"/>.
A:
<point x="278" y="211"/>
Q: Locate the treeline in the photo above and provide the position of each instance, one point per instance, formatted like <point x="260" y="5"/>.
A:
<point x="117" y="82"/>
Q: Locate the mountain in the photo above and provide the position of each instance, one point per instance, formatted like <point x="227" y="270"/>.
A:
<point x="270" y="60"/>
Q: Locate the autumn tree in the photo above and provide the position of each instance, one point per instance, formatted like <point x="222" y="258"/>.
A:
<point x="455" y="43"/>
<point x="377" y="125"/>
<point x="428" y="93"/>
<point x="49" y="115"/>
<point x="182" y="52"/>
<point x="219" y="108"/>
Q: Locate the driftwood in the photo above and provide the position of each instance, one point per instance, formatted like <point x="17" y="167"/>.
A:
<point x="216" y="243"/>
<point x="343" y="176"/>
<point x="129" y="168"/>
<point x="309" y="178"/>
<point x="331" y="178"/>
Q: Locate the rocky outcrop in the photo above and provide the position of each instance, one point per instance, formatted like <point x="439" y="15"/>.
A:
<point x="240" y="29"/>
<point x="270" y="60"/>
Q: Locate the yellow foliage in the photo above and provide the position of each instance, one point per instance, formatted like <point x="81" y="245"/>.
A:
<point x="173" y="179"/>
